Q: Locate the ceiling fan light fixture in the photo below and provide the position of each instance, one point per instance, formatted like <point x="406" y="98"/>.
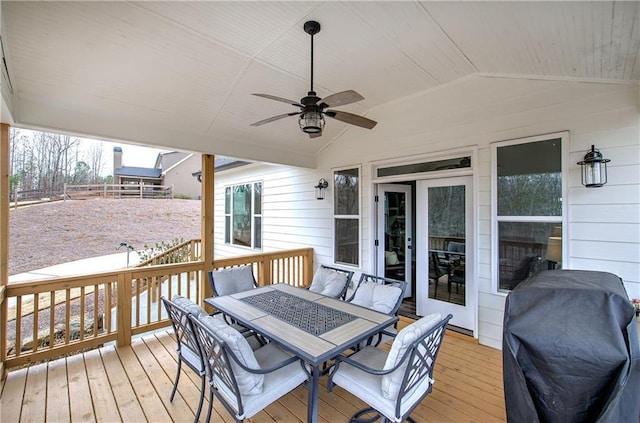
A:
<point x="311" y="122"/>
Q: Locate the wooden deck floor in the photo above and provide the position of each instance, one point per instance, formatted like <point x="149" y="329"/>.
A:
<point x="133" y="384"/>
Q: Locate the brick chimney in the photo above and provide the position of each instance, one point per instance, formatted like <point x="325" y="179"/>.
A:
<point x="117" y="160"/>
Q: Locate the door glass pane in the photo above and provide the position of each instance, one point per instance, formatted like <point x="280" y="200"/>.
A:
<point x="395" y="234"/>
<point x="347" y="236"/>
<point x="525" y="248"/>
<point x="447" y="246"/>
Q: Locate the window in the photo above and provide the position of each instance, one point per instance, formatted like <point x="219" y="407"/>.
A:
<point x="528" y="191"/>
<point x="243" y="215"/>
<point x="346" y="211"/>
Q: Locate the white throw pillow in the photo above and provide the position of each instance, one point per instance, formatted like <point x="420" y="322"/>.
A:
<point x="248" y="383"/>
<point x="234" y="280"/>
<point x="391" y="382"/>
<point x="328" y="282"/>
<point x="382" y="298"/>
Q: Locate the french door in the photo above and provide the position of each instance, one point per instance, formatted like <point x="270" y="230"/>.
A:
<point x="444" y="228"/>
<point x="395" y="258"/>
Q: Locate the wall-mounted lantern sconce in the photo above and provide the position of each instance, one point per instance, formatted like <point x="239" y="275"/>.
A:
<point x="594" y="169"/>
<point x="320" y="188"/>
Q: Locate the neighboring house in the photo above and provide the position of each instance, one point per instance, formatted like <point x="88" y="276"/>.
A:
<point x="507" y="130"/>
<point x="172" y="169"/>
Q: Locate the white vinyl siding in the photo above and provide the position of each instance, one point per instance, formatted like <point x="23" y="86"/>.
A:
<point x="602" y="224"/>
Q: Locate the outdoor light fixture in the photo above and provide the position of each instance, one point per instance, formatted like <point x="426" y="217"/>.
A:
<point x="311" y="122"/>
<point x="322" y="185"/>
<point x="594" y="169"/>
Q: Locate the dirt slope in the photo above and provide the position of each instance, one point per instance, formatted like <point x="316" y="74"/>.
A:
<point x="46" y="234"/>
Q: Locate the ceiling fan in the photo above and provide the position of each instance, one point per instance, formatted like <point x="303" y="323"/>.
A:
<point x="312" y="107"/>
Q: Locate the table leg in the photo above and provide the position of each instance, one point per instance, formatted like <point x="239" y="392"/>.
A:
<point x="312" y="409"/>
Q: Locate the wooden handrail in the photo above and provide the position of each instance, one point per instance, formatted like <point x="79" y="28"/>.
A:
<point x="116" y="305"/>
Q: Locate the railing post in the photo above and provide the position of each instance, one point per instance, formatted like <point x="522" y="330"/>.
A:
<point x="308" y="267"/>
<point x="124" y="309"/>
<point x="264" y="271"/>
<point x="4" y="238"/>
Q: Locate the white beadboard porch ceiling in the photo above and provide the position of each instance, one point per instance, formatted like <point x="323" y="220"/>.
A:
<point x="179" y="75"/>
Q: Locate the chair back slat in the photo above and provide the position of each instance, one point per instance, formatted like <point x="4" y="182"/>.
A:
<point x="421" y="360"/>
<point x="181" y="325"/>
<point x="219" y="369"/>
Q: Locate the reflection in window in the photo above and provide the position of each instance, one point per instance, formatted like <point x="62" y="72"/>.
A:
<point x="243" y="220"/>
<point x="529" y="209"/>
<point x="346" y="210"/>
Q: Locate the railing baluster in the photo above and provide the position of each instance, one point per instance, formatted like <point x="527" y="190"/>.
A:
<point x="96" y="309"/>
<point x="82" y="313"/>
<point x="67" y="314"/>
<point x="52" y="319"/>
<point x="36" y="309"/>
<point x="18" y="343"/>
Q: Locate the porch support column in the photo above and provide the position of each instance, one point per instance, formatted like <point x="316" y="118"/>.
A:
<point x="4" y="236"/>
<point x="206" y="226"/>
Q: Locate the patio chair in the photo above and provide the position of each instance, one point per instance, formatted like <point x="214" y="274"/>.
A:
<point x="436" y="271"/>
<point x="393" y="383"/>
<point x="179" y="308"/>
<point x="231" y="281"/>
<point x="331" y="281"/>
<point x="380" y="294"/>
<point x="244" y="381"/>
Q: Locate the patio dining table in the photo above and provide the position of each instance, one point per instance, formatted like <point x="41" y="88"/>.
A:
<point x="311" y="326"/>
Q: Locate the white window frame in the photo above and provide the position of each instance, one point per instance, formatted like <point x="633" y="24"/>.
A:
<point x="357" y="217"/>
<point x="252" y="214"/>
<point x="495" y="219"/>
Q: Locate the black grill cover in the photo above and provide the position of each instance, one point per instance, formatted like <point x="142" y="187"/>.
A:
<point x="570" y="350"/>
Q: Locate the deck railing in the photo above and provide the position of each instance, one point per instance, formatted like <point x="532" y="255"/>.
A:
<point x="48" y="318"/>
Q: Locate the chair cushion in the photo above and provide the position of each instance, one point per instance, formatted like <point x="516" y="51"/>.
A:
<point x="328" y="282"/>
<point x="366" y="386"/>
<point x="391" y="258"/>
<point x="382" y="298"/>
<point x="188" y="305"/>
<point x="248" y="383"/>
<point x="234" y="280"/>
<point x="392" y="381"/>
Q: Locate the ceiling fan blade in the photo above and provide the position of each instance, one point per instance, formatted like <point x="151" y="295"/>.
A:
<point x="273" y="118"/>
<point x="351" y="118"/>
<point x="284" y="100"/>
<point x="319" y="134"/>
<point x="341" y="98"/>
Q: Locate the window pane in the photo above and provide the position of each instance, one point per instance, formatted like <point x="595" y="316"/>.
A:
<point x="457" y="163"/>
<point x="530" y="179"/>
<point x="227" y="200"/>
<point x="257" y="198"/>
<point x="346" y="192"/>
<point x="257" y="236"/>
<point x="227" y="229"/>
<point x="242" y="215"/>
<point x="525" y="248"/>
<point x="347" y="241"/>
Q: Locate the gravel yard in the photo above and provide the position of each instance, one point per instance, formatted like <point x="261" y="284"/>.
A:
<point x="46" y="234"/>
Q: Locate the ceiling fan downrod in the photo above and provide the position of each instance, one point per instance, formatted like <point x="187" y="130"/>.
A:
<point x="312" y="28"/>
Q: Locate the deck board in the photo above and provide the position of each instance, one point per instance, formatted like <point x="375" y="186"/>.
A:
<point x="58" y="392"/>
<point x="133" y="384"/>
